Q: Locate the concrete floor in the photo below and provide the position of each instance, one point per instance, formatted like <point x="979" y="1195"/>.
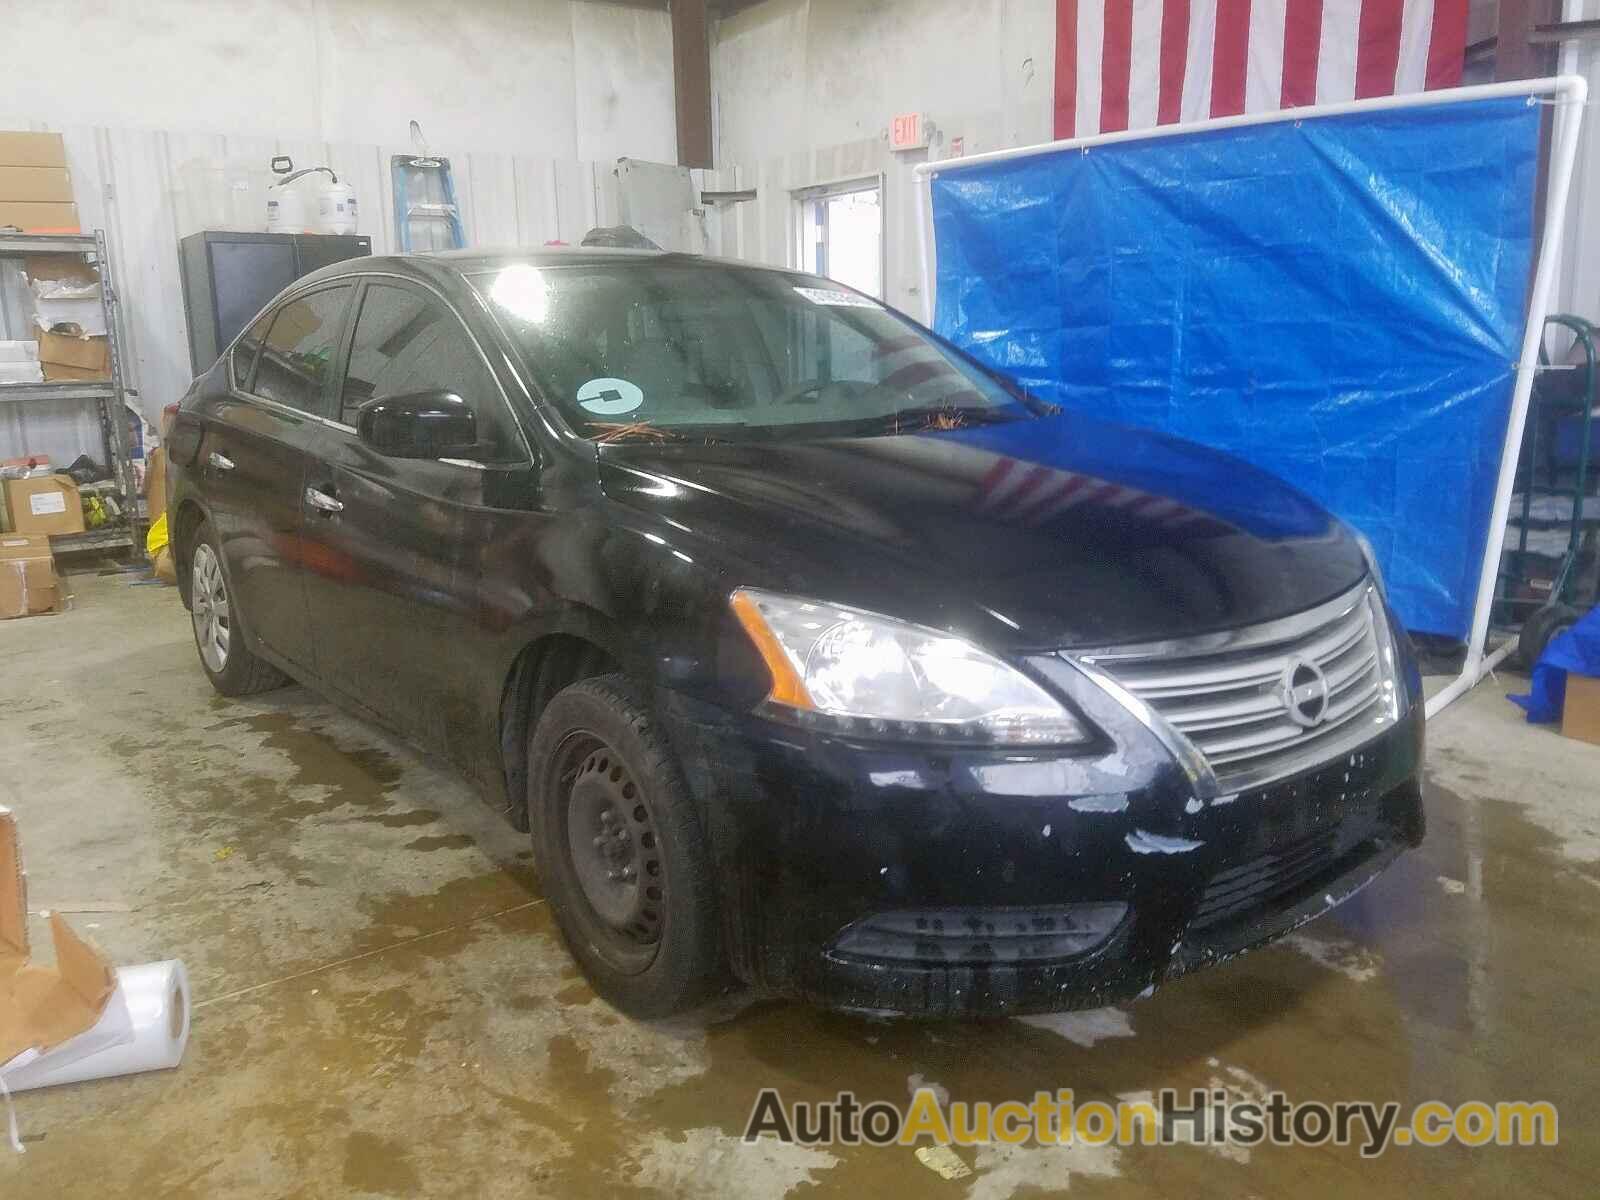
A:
<point x="383" y="1006"/>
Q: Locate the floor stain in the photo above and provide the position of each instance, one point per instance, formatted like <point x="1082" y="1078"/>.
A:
<point x="377" y="1164"/>
<point x="443" y="841"/>
<point x="402" y="820"/>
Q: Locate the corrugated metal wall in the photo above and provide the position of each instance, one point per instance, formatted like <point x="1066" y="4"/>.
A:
<point x="1578" y="288"/>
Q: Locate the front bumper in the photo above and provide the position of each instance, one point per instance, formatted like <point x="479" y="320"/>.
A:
<point x="814" y="834"/>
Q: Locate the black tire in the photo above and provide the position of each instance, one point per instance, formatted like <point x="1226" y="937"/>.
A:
<point x="648" y="943"/>
<point x="218" y="634"/>
<point x="1539" y="628"/>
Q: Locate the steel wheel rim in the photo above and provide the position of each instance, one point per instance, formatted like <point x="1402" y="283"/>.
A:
<point x="613" y="850"/>
<point x="208" y="602"/>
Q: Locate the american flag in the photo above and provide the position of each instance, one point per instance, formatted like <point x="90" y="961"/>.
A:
<point x="1132" y="64"/>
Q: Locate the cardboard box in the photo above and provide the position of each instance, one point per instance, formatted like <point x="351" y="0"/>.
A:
<point x="34" y="217"/>
<point x="44" y="504"/>
<point x="66" y="357"/>
<point x="58" y="268"/>
<point x="21" y="149"/>
<point x="165" y="566"/>
<point x="29" y="584"/>
<point x="36" y="184"/>
<point x="41" y="1007"/>
<point x="155" y="484"/>
<point x="28" y="462"/>
<point x="58" y="373"/>
<point x="1580" y="716"/>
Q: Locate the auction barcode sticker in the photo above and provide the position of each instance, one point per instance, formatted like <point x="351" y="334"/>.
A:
<point x="836" y="299"/>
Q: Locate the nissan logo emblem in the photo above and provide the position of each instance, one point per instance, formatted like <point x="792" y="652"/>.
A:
<point x="1305" y="693"/>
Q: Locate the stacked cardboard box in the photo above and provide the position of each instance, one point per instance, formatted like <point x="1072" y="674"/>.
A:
<point x="35" y="189"/>
<point x="29" y="584"/>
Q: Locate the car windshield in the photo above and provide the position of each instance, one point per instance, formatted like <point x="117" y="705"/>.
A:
<point x="668" y="348"/>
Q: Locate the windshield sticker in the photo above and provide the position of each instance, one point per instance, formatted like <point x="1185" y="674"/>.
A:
<point x="610" y="397"/>
<point x="836" y="299"/>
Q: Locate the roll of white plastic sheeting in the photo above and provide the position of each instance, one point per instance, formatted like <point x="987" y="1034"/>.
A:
<point x="145" y="1027"/>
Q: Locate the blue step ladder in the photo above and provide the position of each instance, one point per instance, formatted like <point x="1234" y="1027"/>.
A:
<point x="426" y="216"/>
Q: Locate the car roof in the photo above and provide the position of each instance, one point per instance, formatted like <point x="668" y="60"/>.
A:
<point x="461" y="263"/>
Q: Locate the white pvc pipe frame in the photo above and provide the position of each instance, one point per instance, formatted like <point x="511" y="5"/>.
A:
<point x="1568" y="93"/>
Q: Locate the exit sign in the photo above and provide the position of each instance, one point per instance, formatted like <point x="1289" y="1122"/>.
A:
<point x="908" y="131"/>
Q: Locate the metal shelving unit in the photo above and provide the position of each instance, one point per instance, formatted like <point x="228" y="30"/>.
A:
<point x="107" y="396"/>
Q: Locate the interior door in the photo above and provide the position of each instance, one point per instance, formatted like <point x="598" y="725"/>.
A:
<point x="253" y="457"/>
<point x="393" y="592"/>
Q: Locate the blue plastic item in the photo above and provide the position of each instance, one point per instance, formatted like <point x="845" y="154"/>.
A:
<point x="1338" y="300"/>
<point x="1576" y="649"/>
<point x="1569" y="441"/>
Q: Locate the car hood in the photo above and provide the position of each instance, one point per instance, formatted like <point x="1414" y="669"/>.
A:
<point x="1057" y="531"/>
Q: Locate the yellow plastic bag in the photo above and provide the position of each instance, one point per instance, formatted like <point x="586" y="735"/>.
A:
<point x="157" y="537"/>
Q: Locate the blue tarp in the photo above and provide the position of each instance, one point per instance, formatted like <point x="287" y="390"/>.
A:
<point x="1338" y="300"/>
<point x="1576" y="649"/>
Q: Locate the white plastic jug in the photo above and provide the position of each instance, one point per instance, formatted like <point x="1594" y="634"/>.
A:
<point x="336" y="206"/>
<point x="310" y="207"/>
<point x="286" y="209"/>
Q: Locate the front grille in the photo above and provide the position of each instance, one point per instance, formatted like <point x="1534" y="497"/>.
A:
<point x="1229" y="694"/>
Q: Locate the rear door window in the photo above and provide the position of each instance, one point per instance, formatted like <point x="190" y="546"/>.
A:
<point x="295" y="365"/>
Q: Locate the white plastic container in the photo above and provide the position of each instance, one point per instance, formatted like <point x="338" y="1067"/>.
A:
<point x="20" y="364"/>
<point x="336" y="206"/>
<point x="286" y="209"/>
<point x="213" y="194"/>
<point x="21" y="372"/>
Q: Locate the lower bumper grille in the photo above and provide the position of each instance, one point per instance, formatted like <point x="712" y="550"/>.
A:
<point x="1278" y="878"/>
<point x="1240" y="890"/>
<point x="973" y="936"/>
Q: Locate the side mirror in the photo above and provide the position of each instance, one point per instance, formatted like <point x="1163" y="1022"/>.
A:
<point x="435" y="424"/>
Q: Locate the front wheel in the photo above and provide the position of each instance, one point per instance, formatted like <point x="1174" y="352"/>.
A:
<point x="228" y="662"/>
<point x="620" y="850"/>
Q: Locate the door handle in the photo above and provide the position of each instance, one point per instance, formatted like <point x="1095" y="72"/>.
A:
<point x="220" y="461"/>
<point x="323" y="502"/>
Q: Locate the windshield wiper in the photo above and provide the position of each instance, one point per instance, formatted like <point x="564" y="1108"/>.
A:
<point x="942" y="417"/>
<point x="638" y="431"/>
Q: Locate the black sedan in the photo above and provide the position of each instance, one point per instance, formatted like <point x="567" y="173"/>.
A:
<point x="813" y="654"/>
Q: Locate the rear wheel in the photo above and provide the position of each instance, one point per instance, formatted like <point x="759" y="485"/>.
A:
<point x="620" y="850"/>
<point x="227" y="661"/>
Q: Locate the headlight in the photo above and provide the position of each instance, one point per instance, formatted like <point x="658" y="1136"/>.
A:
<point x="861" y="673"/>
